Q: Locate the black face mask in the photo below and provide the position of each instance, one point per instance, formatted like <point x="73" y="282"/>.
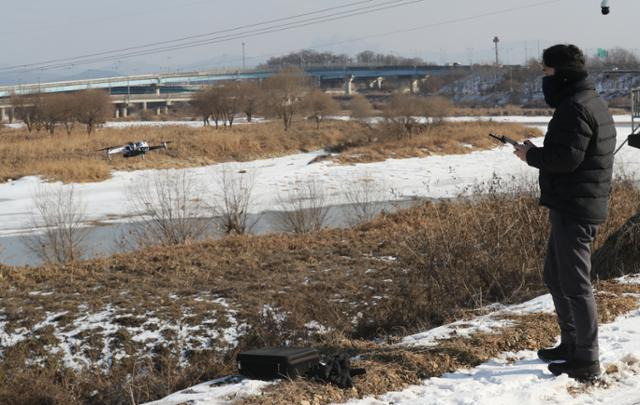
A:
<point x="560" y="85"/>
<point x="551" y="88"/>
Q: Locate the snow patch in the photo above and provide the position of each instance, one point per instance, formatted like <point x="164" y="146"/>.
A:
<point x="492" y="322"/>
<point x="221" y="391"/>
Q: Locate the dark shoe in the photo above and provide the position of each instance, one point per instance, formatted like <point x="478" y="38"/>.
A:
<point x="578" y="369"/>
<point x="561" y="352"/>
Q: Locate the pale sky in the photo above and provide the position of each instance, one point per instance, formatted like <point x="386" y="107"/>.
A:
<point x="453" y="30"/>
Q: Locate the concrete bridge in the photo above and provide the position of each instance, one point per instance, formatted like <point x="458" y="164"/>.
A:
<point x="161" y="90"/>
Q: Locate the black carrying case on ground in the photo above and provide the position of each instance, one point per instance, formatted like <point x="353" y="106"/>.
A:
<point x="634" y="140"/>
<point x="277" y="362"/>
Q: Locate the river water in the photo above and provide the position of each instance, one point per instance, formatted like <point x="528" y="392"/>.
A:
<point x="108" y="239"/>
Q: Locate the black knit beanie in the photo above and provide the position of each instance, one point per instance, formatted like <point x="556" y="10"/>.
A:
<point x="565" y="57"/>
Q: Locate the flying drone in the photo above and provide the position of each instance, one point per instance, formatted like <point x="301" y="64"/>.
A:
<point x="132" y="149"/>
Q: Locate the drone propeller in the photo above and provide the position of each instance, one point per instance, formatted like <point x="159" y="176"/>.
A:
<point x="162" y="145"/>
<point x="108" y="148"/>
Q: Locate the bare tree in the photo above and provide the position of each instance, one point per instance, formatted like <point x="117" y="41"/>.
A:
<point x="199" y="103"/>
<point x="211" y="104"/>
<point x="435" y="108"/>
<point x="616" y="58"/>
<point x="230" y="102"/>
<point x="366" y="57"/>
<point x="307" y="57"/>
<point x="365" y="196"/>
<point x="52" y="107"/>
<point x="69" y="111"/>
<point x="249" y="93"/>
<point x="360" y="106"/>
<point x="232" y="203"/>
<point x="58" y="215"/>
<point x="319" y="104"/>
<point x="283" y="96"/>
<point x="93" y="109"/>
<point x="171" y="204"/>
<point x="401" y="113"/>
<point x="214" y="100"/>
<point x="304" y="207"/>
<point x="27" y="109"/>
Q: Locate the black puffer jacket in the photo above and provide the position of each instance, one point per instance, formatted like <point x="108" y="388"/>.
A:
<point x="576" y="161"/>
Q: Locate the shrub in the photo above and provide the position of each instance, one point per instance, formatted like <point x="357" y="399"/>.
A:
<point x="170" y="205"/>
<point x="304" y="207"/>
<point x="232" y="204"/>
<point x="59" y="216"/>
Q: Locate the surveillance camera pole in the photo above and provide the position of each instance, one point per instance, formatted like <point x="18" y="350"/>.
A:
<point x="495" y="41"/>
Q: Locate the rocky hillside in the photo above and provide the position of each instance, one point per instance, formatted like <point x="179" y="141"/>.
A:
<point x="488" y="87"/>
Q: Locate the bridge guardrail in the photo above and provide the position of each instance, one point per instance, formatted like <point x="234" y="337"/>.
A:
<point x="186" y="78"/>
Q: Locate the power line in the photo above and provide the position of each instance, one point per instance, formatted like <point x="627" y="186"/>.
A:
<point x="66" y="61"/>
<point x="422" y="27"/>
<point x="253" y="33"/>
<point x="425" y="26"/>
<point x="277" y="28"/>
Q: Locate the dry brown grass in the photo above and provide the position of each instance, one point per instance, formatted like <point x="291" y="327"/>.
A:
<point x="445" y="258"/>
<point x="440" y="139"/>
<point x="392" y="368"/>
<point x="75" y="157"/>
<point x="618" y="253"/>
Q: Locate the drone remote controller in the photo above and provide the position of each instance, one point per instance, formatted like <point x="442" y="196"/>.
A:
<point x="504" y="139"/>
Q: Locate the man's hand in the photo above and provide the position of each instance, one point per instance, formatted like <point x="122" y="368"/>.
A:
<point x="521" y="150"/>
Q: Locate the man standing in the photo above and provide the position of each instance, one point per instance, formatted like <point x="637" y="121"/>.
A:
<point x="576" y="165"/>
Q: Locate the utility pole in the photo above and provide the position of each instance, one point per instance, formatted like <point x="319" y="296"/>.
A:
<point x="511" y="79"/>
<point x="495" y="41"/>
<point x="243" y="60"/>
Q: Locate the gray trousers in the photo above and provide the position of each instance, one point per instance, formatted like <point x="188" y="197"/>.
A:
<point x="567" y="268"/>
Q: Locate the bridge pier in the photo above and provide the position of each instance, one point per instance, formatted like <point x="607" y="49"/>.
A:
<point x="377" y="83"/>
<point x="121" y="111"/>
<point x="144" y="106"/>
<point x="348" y="85"/>
<point x="3" y="114"/>
<point x="414" y="85"/>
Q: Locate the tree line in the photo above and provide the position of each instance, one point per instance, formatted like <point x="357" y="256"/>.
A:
<point x="282" y="95"/>
<point x="41" y="111"/>
<point x="309" y="57"/>
<point x="616" y="57"/>
<point x="290" y="94"/>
